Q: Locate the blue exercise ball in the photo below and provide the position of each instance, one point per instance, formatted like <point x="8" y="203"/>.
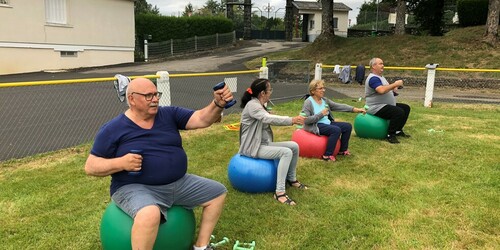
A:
<point x="370" y="126"/>
<point x="177" y="233"/>
<point x="252" y="175"/>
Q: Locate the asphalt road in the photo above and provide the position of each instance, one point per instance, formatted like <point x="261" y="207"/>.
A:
<point x="229" y="59"/>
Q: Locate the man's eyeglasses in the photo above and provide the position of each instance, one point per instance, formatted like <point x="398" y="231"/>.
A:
<point x="321" y="88"/>
<point x="149" y="96"/>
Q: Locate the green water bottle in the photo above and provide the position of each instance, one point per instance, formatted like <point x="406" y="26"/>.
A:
<point x="303" y="115"/>
<point x="366" y="108"/>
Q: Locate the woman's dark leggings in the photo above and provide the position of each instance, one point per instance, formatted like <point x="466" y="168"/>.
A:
<point x="397" y="116"/>
<point x="334" y="131"/>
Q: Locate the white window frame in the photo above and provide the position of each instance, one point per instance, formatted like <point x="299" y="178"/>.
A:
<point x="56" y="12"/>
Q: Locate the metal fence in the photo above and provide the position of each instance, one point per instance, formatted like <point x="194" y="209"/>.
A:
<point x="295" y="75"/>
<point x="38" y="117"/>
<point x="447" y="84"/>
<point x="382" y="23"/>
<point x="44" y="116"/>
<point x="263" y="34"/>
<point x="175" y="47"/>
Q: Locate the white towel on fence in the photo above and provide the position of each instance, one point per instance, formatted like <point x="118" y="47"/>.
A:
<point x="120" y="85"/>
<point x="336" y="70"/>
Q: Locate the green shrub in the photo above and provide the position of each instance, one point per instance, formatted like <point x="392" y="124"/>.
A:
<point x="163" y="28"/>
<point x="472" y="12"/>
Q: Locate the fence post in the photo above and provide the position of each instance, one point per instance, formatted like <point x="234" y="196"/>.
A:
<point x="264" y="69"/>
<point x="146" y="50"/>
<point x="195" y="43"/>
<point x="216" y="39"/>
<point x="318" y="71"/>
<point x="163" y="85"/>
<point x="172" y="47"/>
<point x="429" y="87"/>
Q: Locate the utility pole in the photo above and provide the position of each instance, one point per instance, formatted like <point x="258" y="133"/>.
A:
<point x="376" y="22"/>
<point x="268" y="8"/>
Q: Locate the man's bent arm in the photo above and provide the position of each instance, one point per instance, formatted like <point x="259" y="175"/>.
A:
<point x="382" y="89"/>
<point x="204" y="117"/>
<point x="98" y="166"/>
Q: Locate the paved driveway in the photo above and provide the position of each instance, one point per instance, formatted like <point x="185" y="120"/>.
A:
<point x="219" y="60"/>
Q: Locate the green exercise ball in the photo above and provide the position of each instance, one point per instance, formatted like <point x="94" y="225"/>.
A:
<point x="370" y="126"/>
<point x="176" y="233"/>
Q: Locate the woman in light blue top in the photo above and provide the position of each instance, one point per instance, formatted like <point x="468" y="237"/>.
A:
<point x="320" y="120"/>
<point x="256" y="137"/>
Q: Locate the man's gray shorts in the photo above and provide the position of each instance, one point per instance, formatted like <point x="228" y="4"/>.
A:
<point x="189" y="191"/>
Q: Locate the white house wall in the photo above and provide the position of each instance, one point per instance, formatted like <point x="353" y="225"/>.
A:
<point x="316" y="31"/>
<point x="99" y="32"/>
<point x="342" y="24"/>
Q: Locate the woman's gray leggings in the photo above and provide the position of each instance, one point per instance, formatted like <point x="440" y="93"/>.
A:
<point x="288" y="154"/>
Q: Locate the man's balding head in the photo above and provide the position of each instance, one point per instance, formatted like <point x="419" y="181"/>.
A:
<point x="139" y="85"/>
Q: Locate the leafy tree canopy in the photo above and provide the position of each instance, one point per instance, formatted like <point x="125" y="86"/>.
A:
<point x="188" y="10"/>
<point x="143" y="7"/>
<point x="212" y="8"/>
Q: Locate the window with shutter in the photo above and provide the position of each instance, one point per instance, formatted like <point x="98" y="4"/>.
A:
<point x="55" y="11"/>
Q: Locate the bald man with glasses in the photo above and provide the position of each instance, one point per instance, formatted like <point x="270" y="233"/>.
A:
<point x="142" y="151"/>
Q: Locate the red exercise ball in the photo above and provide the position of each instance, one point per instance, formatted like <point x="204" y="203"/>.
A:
<point x="311" y="145"/>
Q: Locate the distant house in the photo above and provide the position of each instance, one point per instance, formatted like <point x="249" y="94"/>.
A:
<point x="311" y="21"/>
<point x="392" y="19"/>
<point x="64" y="34"/>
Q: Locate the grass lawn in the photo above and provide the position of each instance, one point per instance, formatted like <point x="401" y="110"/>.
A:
<point x="436" y="190"/>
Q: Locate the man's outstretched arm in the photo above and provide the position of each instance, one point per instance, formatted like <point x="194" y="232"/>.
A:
<point x="212" y="112"/>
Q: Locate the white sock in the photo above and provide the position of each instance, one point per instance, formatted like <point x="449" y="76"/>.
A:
<point x="199" y="248"/>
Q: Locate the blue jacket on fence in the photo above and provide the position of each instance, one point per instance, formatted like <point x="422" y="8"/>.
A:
<point x="360" y="73"/>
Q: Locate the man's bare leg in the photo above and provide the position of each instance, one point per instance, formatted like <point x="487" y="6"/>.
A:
<point x="209" y="217"/>
<point x="145" y="228"/>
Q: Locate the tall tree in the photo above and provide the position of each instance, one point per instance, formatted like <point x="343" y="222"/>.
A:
<point x="368" y="10"/>
<point x="289" y="20"/>
<point x="247" y="20"/>
<point x="491" y="34"/>
<point x="327" y="30"/>
<point x="188" y="10"/>
<point x="400" y="18"/>
<point x="143" y="7"/>
<point x="429" y="14"/>
<point x="212" y="8"/>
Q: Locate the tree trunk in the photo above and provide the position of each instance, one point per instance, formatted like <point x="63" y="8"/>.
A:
<point x="400" y="18"/>
<point x="289" y="21"/>
<point x="327" y="31"/>
<point x="491" y="34"/>
<point x="230" y="12"/>
<point x="247" y="19"/>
